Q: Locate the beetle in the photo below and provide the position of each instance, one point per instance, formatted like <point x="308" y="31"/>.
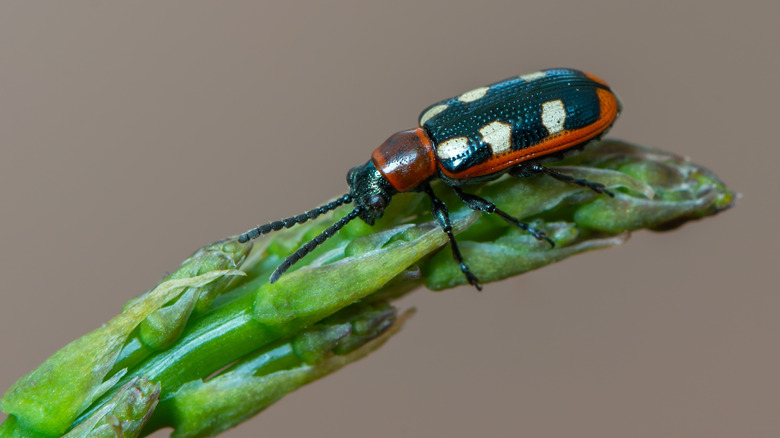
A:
<point x="512" y="126"/>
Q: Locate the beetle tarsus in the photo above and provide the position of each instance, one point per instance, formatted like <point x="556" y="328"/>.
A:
<point x="472" y="279"/>
<point x="475" y="202"/>
<point x="596" y="187"/>
<point x="537" y="234"/>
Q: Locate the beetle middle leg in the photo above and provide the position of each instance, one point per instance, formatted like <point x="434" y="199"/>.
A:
<point x="475" y="202"/>
<point x="533" y="169"/>
<point x="442" y="217"/>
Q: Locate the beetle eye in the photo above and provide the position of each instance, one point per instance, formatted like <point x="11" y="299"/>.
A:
<point x="377" y="202"/>
<point x="350" y="174"/>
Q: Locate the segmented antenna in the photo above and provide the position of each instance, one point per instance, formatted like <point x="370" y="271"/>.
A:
<point x="290" y="221"/>
<point x="313" y="243"/>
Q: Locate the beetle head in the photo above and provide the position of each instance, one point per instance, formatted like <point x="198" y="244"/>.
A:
<point x="370" y="191"/>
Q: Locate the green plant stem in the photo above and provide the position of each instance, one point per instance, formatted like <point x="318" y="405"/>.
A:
<point x="218" y="317"/>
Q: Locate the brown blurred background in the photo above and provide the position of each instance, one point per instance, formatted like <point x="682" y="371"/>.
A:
<point x="131" y="134"/>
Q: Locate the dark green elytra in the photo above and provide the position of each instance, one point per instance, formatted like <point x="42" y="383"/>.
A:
<point x="461" y="128"/>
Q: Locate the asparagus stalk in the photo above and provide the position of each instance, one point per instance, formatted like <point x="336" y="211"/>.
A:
<point x="145" y="368"/>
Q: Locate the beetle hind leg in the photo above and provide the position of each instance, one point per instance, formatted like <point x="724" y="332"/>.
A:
<point x="524" y="170"/>
<point x="442" y="217"/>
<point x="475" y="202"/>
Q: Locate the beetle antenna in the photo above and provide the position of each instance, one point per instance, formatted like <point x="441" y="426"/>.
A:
<point x="313" y="243"/>
<point x="290" y="221"/>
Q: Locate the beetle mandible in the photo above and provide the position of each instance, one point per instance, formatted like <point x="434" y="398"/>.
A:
<point x="511" y="126"/>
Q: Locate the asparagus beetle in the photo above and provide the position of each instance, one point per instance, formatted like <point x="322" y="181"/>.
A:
<point x="510" y="126"/>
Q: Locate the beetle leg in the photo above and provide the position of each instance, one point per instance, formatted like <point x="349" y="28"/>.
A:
<point x="475" y="202"/>
<point x="442" y="217"/>
<point x="530" y="169"/>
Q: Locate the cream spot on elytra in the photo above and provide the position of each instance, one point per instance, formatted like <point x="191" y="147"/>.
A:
<point x="553" y="116"/>
<point x="498" y="135"/>
<point x="533" y="76"/>
<point x="475" y="94"/>
<point x="431" y="113"/>
<point x="452" y="148"/>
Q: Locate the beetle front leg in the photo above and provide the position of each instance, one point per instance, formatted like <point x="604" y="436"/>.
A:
<point x="475" y="202"/>
<point x="442" y="217"/>
<point x="532" y="169"/>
